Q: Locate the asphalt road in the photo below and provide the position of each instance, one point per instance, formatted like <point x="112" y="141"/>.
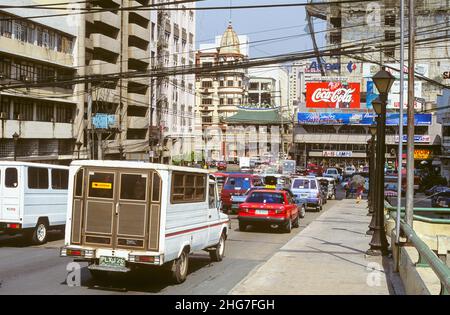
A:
<point x="26" y="269"/>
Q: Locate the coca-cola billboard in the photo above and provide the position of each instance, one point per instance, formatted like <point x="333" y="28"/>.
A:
<point x="333" y="95"/>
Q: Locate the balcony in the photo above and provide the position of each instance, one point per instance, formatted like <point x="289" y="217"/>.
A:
<point x="105" y="43"/>
<point x="36" y="130"/>
<point x="142" y="13"/>
<point x="108" y="18"/>
<point x="136" y="99"/>
<point x="102" y="67"/>
<point x="139" y="32"/>
<point x="137" y="122"/>
<point x="138" y="54"/>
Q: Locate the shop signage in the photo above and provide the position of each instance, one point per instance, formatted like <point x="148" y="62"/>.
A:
<point x="417" y="139"/>
<point x="422" y="154"/>
<point x="318" y="66"/>
<point x="337" y="153"/>
<point x="367" y="118"/>
<point x="104" y="121"/>
<point x="332" y="95"/>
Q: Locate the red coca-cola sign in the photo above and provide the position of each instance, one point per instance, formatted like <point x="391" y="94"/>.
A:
<point x="333" y="95"/>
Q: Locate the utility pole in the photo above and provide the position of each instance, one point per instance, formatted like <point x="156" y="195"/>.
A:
<point x="89" y="125"/>
<point x="410" y="151"/>
<point x="99" y="146"/>
<point x="400" y="124"/>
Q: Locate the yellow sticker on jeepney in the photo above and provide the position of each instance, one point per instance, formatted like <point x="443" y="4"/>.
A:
<point x="98" y="185"/>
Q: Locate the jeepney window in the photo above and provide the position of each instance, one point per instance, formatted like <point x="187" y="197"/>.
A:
<point x="212" y="196"/>
<point x="188" y="187"/>
<point x="37" y="178"/>
<point x="11" y="180"/>
<point x="79" y="183"/>
<point x="156" y="187"/>
<point x="200" y="188"/>
<point x="133" y="187"/>
<point x="101" y="185"/>
<point x="60" y="179"/>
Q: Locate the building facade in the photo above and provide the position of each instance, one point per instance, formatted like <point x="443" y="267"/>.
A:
<point x="41" y="119"/>
<point x="377" y="32"/>
<point x="148" y="118"/>
<point x="218" y="94"/>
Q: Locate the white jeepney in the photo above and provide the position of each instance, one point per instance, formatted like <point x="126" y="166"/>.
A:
<point x="124" y="215"/>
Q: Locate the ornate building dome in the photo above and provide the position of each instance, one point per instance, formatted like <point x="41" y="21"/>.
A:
<point x="230" y="42"/>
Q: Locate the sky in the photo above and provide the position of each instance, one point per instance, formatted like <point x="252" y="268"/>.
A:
<point x="258" y="24"/>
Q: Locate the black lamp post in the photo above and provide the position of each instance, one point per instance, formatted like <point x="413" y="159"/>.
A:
<point x="373" y="179"/>
<point x="16" y="139"/>
<point x="78" y="144"/>
<point x="383" y="80"/>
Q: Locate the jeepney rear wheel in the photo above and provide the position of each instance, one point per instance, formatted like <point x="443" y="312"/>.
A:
<point x="218" y="253"/>
<point x="40" y="233"/>
<point x="180" y="268"/>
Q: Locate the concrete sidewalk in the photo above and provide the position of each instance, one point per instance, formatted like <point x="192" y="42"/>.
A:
<point x="327" y="257"/>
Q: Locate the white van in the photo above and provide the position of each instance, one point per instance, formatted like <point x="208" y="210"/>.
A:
<point x="33" y="199"/>
<point x="126" y="215"/>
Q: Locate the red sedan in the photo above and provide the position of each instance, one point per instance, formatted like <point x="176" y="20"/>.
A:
<point x="270" y="207"/>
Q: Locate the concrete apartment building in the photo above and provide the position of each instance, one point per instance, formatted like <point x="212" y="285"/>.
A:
<point x="41" y="119"/>
<point x="146" y="117"/>
<point x="269" y="86"/>
<point x="174" y="96"/>
<point x="350" y="24"/>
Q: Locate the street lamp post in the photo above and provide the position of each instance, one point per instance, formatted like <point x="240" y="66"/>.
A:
<point x="383" y="80"/>
<point x="16" y="139"/>
<point x="373" y="180"/>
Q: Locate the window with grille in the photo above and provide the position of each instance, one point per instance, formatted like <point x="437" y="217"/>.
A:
<point x="207" y="101"/>
<point x="188" y="187"/>
<point x="207" y="84"/>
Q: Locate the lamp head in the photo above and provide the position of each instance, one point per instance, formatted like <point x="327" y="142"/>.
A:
<point x="15" y="136"/>
<point x="373" y="130"/>
<point x="383" y="80"/>
<point x="377" y="105"/>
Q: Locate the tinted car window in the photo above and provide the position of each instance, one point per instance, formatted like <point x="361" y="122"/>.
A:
<point x="237" y="182"/>
<point x="266" y="197"/>
<point x="301" y="184"/>
<point x="11" y="180"/>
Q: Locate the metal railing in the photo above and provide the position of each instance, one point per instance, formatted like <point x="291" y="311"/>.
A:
<point x="441" y="270"/>
<point x="427" y="257"/>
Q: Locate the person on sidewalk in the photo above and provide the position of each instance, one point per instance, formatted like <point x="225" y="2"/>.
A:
<point x="359" y="193"/>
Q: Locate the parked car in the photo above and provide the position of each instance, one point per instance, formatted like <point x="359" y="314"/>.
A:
<point x="349" y="170"/>
<point x="443" y="201"/>
<point x="332" y="172"/>
<point x="435" y="189"/>
<point x="237" y="184"/>
<point x="435" y="197"/>
<point x="307" y="187"/>
<point x="221" y="165"/>
<point x="269" y="207"/>
<point x="314" y="170"/>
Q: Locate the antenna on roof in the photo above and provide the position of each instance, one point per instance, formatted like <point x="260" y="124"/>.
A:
<point x="231" y="4"/>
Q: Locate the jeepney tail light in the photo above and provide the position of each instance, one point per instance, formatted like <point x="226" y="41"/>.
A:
<point x="85" y="253"/>
<point x="144" y="259"/>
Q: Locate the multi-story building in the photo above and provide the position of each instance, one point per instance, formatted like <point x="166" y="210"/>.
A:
<point x="175" y="95"/>
<point x="376" y="30"/>
<point x="146" y="116"/>
<point x="220" y="93"/>
<point x="37" y="122"/>
<point x="269" y="87"/>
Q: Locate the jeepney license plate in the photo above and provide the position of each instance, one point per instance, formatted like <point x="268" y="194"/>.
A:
<point x="111" y="261"/>
<point x="265" y="212"/>
<point x="304" y="195"/>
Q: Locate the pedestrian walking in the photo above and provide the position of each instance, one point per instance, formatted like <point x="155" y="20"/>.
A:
<point x="359" y="193"/>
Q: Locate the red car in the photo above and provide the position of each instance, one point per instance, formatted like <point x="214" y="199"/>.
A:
<point x="237" y="184"/>
<point x="221" y="166"/>
<point x="271" y="207"/>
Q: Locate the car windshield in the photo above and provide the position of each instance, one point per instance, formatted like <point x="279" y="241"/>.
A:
<point x="304" y="184"/>
<point x="265" y="197"/>
<point x="331" y="171"/>
<point x="237" y="183"/>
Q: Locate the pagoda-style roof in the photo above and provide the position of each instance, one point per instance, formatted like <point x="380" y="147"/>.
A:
<point x="257" y="116"/>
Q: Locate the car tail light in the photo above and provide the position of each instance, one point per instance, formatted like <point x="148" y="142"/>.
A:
<point x="13" y="226"/>
<point x="279" y="211"/>
<point x="244" y="210"/>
